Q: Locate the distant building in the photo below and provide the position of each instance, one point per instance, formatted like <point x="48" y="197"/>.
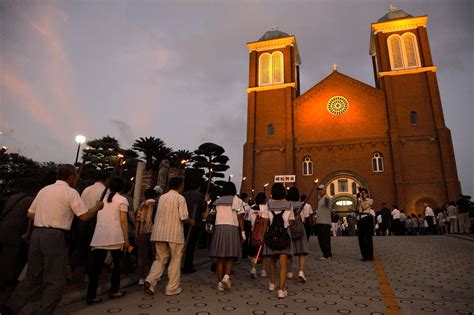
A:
<point x="391" y="138"/>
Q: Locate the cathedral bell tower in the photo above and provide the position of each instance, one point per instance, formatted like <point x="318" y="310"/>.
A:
<point x="422" y="150"/>
<point x="273" y="85"/>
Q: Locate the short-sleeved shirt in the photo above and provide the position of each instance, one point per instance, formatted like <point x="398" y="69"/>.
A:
<point x="260" y="210"/>
<point x="172" y="210"/>
<point x="108" y="232"/>
<point x="55" y="206"/>
<point x="368" y="202"/>
<point x="91" y="194"/>
<point x="279" y="206"/>
<point x="429" y="212"/>
<point x="307" y="210"/>
<point x="324" y="212"/>
<point x="227" y="210"/>
<point x="395" y="214"/>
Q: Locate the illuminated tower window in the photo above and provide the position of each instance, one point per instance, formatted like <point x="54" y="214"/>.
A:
<point x="413" y="118"/>
<point x="354" y="188"/>
<point x="270" y="68"/>
<point x="270" y="130"/>
<point x="403" y="51"/>
<point x="307" y="166"/>
<point x="342" y="185"/>
<point x="332" y="189"/>
<point x="377" y="162"/>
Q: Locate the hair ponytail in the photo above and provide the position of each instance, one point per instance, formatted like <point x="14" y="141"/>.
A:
<point x="116" y="185"/>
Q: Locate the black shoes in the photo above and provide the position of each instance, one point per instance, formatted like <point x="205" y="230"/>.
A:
<point x="117" y="294"/>
<point x="367" y="259"/>
<point x="91" y="301"/>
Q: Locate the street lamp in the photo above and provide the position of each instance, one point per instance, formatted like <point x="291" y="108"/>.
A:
<point x="242" y="184"/>
<point x="80" y="139"/>
<point x="230" y="177"/>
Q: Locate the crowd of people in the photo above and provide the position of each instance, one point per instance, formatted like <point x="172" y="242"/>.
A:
<point x="164" y="231"/>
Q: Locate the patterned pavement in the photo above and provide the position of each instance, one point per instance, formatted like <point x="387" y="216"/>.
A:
<point x="411" y="275"/>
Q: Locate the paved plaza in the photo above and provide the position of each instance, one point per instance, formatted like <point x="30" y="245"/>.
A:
<point x="411" y="275"/>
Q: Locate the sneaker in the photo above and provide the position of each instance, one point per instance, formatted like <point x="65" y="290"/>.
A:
<point x="175" y="292"/>
<point x="290" y="275"/>
<point x="220" y="287"/>
<point x="141" y="282"/>
<point x="253" y="273"/>
<point x="263" y="274"/>
<point x="226" y="281"/>
<point x="301" y="276"/>
<point x="148" y="288"/>
<point x="282" y="294"/>
<point x="324" y="258"/>
<point x="271" y="287"/>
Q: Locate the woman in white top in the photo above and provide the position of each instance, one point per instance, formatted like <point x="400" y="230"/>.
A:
<point x="259" y="210"/>
<point x="225" y="245"/>
<point x="111" y="233"/>
<point x="279" y="206"/>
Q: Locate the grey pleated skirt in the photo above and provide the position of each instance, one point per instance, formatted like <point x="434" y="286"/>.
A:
<point x="225" y="242"/>
<point x="300" y="246"/>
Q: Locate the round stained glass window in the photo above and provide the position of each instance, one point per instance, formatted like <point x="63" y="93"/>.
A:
<point x="338" y="105"/>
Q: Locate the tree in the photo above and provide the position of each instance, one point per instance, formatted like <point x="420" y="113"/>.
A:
<point x="148" y="146"/>
<point x="102" y="153"/>
<point x="210" y="156"/>
<point x="180" y="158"/>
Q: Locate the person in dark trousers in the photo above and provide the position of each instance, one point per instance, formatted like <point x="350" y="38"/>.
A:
<point x="365" y="225"/>
<point x="323" y="223"/>
<point x="247" y="226"/>
<point x="196" y="207"/>
<point x="386" y="215"/>
<point x="52" y="211"/>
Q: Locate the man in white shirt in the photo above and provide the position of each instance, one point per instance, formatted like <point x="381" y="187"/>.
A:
<point x="396" y="220"/>
<point x="429" y="217"/>
<point x="52" y="212"/>
<point x="168" y="236"/>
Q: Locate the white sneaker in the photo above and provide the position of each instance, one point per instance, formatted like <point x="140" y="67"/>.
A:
<point x="226" y="281"/>
<point x="253" y="273"/>
<point x="290" y="275"/>
<point x="141" y="282"/>
<point x="271" y="287"/>
<point x="220" y="287"/>
<point x="301" y="276"/>
<point x="263" y="274"/>
<point x="282" y="294"/>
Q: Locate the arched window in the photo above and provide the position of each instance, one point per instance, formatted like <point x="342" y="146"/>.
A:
<point x="377" y="162"/>
<point x="354" y="188"/>
<point x="332" y="189"/>
<point x="403" y="51"/>
<point x="395" y="50"/>
<point x="307" y="166"/>
<point x="413" y="118"/>
<point x="270" y="68"/>
<point x="271" y="130"/>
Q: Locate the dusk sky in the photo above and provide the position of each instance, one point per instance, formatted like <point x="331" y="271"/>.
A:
<point x="178" y="70"/>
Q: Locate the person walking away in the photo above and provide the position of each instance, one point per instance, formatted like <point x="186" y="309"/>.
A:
<point x="351" y="223"/>
<point x="430" y="219"/>
<point x="334" y="222"/>
<point x="277" y="239"/>
<point x="110" y="234"/>
<point x="396" y="224"/>
<point x="247" y="226"/>
<point x="144" y="223"/>
<point x="168" y="235"/>
<point x="225" y="246"/>
<point x="80" y="259"/>
<point x="453" y="217"/>
<point x="258" y="217"/>
<point x="440" y="217"/>
<point x="13" y="224"/>
<point x="197" y="205"/>
<point x="365" y="224"/>
<point x="386" y="215"/>
<point x="299" y="241"/>
<point x="463" y="214"/>
<point x="52" y="212"/>
<point x="309" y="215"/>
<point x="323" y="223"/>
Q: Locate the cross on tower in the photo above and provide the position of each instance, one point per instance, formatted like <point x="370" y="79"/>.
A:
<point x="391" y="7"/>
<point x="334" y="67"/>
<point x="275" y="28"/>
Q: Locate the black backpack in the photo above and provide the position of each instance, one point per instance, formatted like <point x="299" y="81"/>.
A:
<point x="297" y="228"/>
<point x="277" y="238"/>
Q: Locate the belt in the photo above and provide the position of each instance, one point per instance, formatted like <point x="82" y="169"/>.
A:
<point x="51" y="228"/>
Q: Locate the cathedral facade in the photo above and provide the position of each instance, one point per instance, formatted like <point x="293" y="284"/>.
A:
<point x="390" y="138"/>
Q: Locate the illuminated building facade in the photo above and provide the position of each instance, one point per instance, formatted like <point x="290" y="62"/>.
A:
<point x="391" y="138"/>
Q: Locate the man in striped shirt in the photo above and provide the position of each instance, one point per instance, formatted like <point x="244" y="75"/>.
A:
<point x="168" y="236"/>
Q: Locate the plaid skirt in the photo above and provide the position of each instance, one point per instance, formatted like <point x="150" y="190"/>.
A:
<point x="225" y="242"/>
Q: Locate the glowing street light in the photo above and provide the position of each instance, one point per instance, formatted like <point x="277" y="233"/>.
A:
<point x="265" y="188"/>
<point x="230" y="177"/>
<point x="80" y="139"/>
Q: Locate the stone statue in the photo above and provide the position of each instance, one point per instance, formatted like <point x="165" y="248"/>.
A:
<point x="163" y="174"/>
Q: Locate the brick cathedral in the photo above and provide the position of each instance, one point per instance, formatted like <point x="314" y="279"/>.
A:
<point x="390" y="138"/>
